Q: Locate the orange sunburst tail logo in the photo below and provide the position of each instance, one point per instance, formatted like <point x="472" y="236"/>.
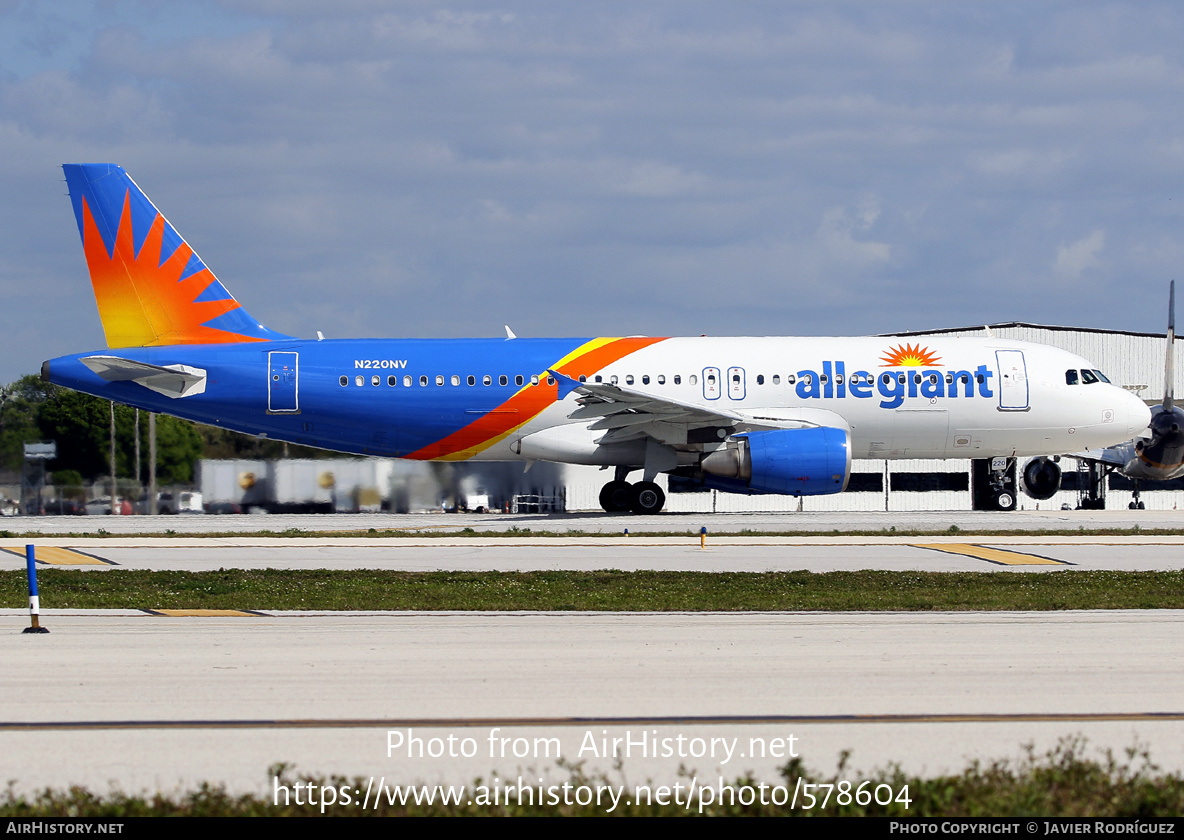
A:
<point x="150" y="287"/>
<point x="909" y="355"/>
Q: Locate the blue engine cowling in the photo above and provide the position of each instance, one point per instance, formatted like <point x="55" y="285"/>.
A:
<point x="796" y="462"/>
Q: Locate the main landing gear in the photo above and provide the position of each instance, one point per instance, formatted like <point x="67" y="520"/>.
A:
<point x="643" y="497"/>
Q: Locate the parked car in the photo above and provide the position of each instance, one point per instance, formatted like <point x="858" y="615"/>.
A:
<point x="185" y="502"/>
<point x="102" y="506"/>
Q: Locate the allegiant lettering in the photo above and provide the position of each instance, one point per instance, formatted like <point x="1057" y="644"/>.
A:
<point x="892" y="385"/>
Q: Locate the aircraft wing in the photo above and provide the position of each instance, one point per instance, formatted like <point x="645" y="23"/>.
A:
<point x="172" y="380"/>
<point x="1114" y="455"/>
<point x="627" y="414"/>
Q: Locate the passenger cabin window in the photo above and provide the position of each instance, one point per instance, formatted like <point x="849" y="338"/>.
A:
<point x="583" y="378"/>
<point x="1070" y="377"/>
<point x="791" y="379"/>
<point x="344" y="381"/>
<point x="360" y="380"/>
<point x="439" y="379"/>
<point x="374" y="380"/>
<point x="693" y="379"/>
<point x="612" y="380"/>
<point x="629" y="379"/>
<point x="661" y="379"/>
<point x="503" y="380"/>
<point x="518" y="380"/>
<point x="392" y="381"/>
<point x="406" y="381"/>
<point x="487" y="379"/>
<point x="598" y="378"/>
<point x="645" y="379"/>
<point x="455" y="379"/>
<point x="472" y="380"/>
<point x="423" y="380"/>
<point x="839" y="378"/>
<point x="677" y="379"/>
<point x="760" y="379"/>
<point x="776" y="379"/>
<point x="550" y="379"/>
<point x="534" y="379"/>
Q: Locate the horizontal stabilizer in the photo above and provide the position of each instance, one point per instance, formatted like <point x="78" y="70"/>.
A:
<point x="171" y="381"/>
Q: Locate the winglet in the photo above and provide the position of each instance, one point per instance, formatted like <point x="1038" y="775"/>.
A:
<point x="1169" y="366"/>
<point x="566" y="383"/>
<point x="509" y="333"/>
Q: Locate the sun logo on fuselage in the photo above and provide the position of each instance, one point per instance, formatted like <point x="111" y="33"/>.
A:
<point x="909" y="355"/>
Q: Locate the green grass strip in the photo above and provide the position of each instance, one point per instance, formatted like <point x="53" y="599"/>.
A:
<point x="1064" y="782"/>
<point x="320" y="589"/>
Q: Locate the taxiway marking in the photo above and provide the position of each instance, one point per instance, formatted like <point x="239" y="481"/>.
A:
<point x="993" y="555"/>
<point x="56" y="556"/>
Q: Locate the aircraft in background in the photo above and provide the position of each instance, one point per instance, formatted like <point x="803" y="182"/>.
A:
<point x="747" y="415"/>
<point x="1158" y="453"/>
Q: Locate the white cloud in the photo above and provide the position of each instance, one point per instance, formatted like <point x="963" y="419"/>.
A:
<point x="1078" y="257"/>
<point x="838" y="230"/>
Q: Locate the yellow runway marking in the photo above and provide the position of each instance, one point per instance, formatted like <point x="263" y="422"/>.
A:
<point x="993" y="555"/>
<point x="205" y="613"/>
<point x="55" y="556"/>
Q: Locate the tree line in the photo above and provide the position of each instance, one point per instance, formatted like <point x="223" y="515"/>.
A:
<point x="80" y="424"/>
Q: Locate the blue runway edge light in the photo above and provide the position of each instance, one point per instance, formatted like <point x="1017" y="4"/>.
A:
<point x="34" y="600"/>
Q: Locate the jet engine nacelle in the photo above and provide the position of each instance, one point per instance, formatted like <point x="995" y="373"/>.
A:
<point x="1041" y="478"/>
<point x="797" y="462"/>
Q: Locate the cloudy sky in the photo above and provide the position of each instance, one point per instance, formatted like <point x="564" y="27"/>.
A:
<point x="606" y="168"/>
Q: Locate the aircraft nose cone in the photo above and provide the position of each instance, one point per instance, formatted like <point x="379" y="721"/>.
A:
<point x="1138" y="413"/>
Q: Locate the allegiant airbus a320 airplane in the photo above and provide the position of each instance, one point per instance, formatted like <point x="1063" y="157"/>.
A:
<point x="748" y="415"/>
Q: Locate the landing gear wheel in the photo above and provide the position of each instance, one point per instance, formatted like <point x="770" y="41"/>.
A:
<point x="615" y="496"/>
<point x="646" y="497"/>
<point x="1005" y="500"/>
<point x="1141" y="506"/>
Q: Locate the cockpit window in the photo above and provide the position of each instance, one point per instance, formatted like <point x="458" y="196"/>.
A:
<point x="1070" y="377"/>
<point x="1101" y="376"/>
<point x="1087" y="376"/>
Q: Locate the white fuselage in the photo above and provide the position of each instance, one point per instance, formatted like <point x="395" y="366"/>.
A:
<point x="949" y="397"/>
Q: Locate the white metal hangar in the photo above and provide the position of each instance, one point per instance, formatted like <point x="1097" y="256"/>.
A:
<point x="1130" y="359"/>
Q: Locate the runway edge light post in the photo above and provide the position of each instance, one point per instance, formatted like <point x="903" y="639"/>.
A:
<point x="34" y="600"/>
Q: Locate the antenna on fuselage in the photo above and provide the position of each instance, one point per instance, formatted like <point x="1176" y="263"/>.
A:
<point x="1169" y="365"/>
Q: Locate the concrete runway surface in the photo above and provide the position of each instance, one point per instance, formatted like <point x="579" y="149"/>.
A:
<point x="147" y="702"/>
<point x="1031" y="553"/>
<point x="731" y="523"/>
